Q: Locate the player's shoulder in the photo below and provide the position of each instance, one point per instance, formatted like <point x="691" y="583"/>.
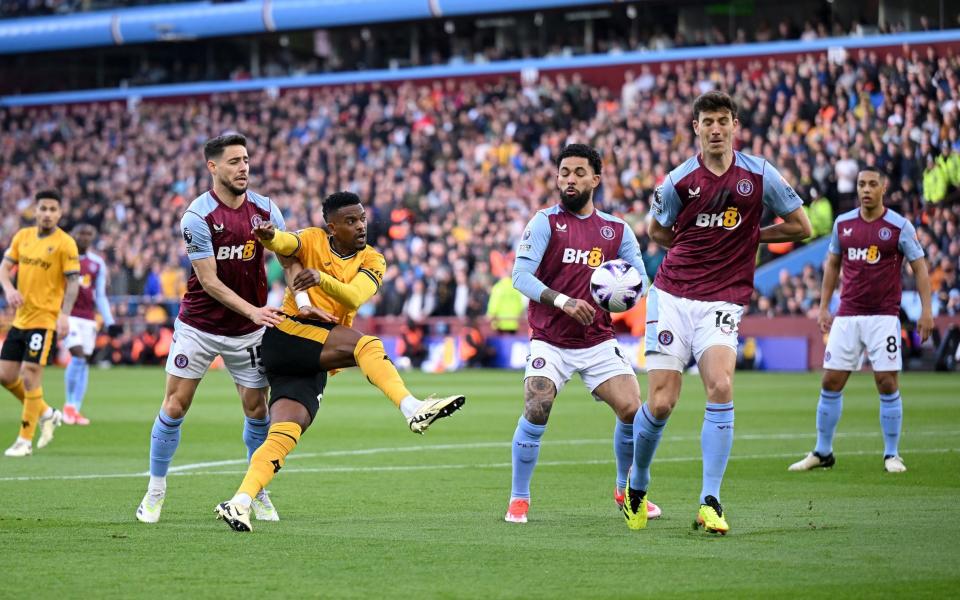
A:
<point x="550" y="211"/>
<point x="369" y="253"/>
<point x="95" y="258"/>
<point x="610" y="218"/>
<point x="313" y="235"/>
<point x="64" y="239"/>
<point x="202" y="205"/>
<point x="895" y="219"/>
<point x="684" y="169"/>
<point x="261" y="202"/>
<point x="850" y="215"/>
<point x="748" y="162"/>
<point x="26" y="232"/>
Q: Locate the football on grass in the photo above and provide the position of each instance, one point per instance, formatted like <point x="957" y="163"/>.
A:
<point x="616" y="286"/>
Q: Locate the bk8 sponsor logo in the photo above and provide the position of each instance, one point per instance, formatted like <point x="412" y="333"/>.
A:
<point x="593" y="258"/>
<point x="729" y="219"/>
<point x="244" y="251"/>
<point x="871" y="255"/>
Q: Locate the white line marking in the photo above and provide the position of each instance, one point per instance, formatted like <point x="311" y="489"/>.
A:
<point x="584" y="442"/>
<point x="498" y="465"/>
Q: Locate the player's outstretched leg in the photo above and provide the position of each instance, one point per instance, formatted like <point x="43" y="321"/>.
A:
<point x="369" y="354"/>
<point x="164" y="440"/>
<point x="829" y="409"/>
<point x="526" y="451"/>
<point x="264" y="464"/>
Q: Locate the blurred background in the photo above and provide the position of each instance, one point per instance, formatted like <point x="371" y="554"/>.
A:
<point x="446" y="117"/>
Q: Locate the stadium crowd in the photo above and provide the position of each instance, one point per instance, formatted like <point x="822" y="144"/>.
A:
<point x="451" y="171"/>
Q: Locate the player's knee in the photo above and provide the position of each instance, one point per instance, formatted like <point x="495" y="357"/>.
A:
<point x="720" y="389"/>
<point x="832" y="382"/>
<point x="660" y="407"/>
<point x="537" y="410"/>
<point x="175" y="405"/>
<point x="886" y="383"/>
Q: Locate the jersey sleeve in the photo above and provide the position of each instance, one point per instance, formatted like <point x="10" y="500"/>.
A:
<point x="284" y="243"/>
<point x="196" y="235"/>
<point x="373" y="266"/>
<point x="909" y="244"/>
<point x="533" y="243"/>
<point x="778" y="196"/>
<point x="13" y="252"/>
<point x="630" y="251"/>
<point x="834" y="247"/>
<point x="666" y="203"/>
<point x="69" y="257"/>
<point x="276" y="217"/>
<point x="360" y="289"/>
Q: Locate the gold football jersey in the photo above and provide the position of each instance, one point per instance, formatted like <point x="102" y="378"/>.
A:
<point x="42" y="264"/>
<point x="315" y="252"/>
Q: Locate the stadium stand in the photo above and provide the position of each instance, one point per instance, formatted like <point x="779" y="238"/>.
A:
<point x="415" y="152"/>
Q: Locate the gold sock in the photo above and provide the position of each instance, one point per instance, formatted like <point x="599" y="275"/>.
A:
<point x="33" y="407"/>
<point x="269" y="457"/>
<point x="16" y="388"/>
<point x="376" y="365"/>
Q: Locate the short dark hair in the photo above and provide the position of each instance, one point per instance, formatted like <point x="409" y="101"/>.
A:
<point x="872" y="169"/>
<point x="83" y="225"/>
<point x="582" y="151"/>
<point x="338" y="200"/>
<point x="214" y="147"/>
<point x="714" y="101"/>
<point x="47" y="195"/>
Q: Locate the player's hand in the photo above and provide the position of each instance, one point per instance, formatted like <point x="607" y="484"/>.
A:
<point x="115" y="330"/>
<point x="63" y="326"/>
<point x="264" y="231"/>
<point x="266" y="316"/>
<point x="825" y="320"/>
<point x="306" y="279"/>
<point x="312" y="312"/>
<point x="580" y="310"/>
<point x="14" y="299"/>
<point x="925" y="326"/>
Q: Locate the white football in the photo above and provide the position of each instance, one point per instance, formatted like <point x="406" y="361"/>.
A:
<point x="616" y="286"/>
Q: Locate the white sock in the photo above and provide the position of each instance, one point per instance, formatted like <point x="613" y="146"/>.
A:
<point x="242" y="499"/>
<point x="25" y="440"/>
<point x="157" y="485"/>
<point x="47" y="413"/>
<point x="409" y="406"/>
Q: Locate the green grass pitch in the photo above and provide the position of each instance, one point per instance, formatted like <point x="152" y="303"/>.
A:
<point x="370" y="510"/>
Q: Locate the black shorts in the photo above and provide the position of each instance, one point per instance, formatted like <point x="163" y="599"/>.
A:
<point x="291" y="359"/>
<point x="29" y="345"/>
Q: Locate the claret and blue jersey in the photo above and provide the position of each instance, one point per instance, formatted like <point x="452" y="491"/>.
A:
<point x="559" y="250"/>
<point x="716" y="219"/>
<point x="213" y="229"/>
<point x="871" y="255"/>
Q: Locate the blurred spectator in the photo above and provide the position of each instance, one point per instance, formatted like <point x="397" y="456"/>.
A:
<point x="506" y="307"/>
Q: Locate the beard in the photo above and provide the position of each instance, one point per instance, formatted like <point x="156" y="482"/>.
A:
<point x="575" y="203"/>
<point x="236" y="191"/>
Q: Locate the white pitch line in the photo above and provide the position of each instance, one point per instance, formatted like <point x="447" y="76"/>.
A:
<point x="478" y="445"/>
<point x="498" y="465"/>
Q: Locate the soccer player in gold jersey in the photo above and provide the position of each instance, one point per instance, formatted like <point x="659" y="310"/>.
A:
<point x="330" y="274"/>
<point x="48" y="269"/>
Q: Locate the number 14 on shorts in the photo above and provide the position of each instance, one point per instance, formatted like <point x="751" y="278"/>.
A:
<point x="726" y="321"/>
